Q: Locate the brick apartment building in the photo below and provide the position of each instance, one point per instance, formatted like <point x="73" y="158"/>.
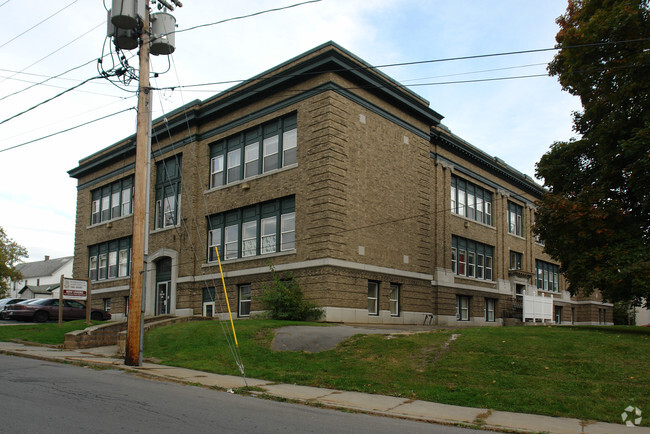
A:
<point x="329" y="169"/>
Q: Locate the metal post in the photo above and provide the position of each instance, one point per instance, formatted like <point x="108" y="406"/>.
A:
<point x="134" y="333"/>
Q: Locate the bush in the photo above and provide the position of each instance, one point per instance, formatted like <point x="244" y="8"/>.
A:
<point x="283" y="300"/>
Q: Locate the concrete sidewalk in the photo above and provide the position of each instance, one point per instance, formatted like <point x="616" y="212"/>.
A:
<point x="362" y="402"/>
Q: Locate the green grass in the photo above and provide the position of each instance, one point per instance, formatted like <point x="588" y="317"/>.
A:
<point x="588" y="373"/>
<point x="49" y="333"/>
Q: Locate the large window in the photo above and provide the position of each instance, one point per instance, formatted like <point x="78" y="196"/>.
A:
<point x="470" y="258"/>
<point x="168" y="192"/>
<point x="258" y="150"/>
<point x="373" y="297"/>
<point x="515" y="219"/>
<point x="244" y="300"/>
<point x="112" y="201"/>
<point x="548" y="276"/>
<point x="462" y="308"/>
<point x="110" y="260"/>
<point x="471" y="201"/>
<point x="260" y="229"/>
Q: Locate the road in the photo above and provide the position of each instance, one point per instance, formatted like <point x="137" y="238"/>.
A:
<point x="39" y="396"/>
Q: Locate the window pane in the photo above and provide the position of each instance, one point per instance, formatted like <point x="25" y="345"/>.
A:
<point x="453" y="259"/>
<point x="470" y="263"/>
<point x="92" y="268"/>
<point x="126" y="201"/>
<point x="112" y="265"/>
<point x="288" y="232"/>
<point x="170" y="211"/>
<point x="268" y="235"/>
<point x="453" y="200"/>
<point x="394" y="300"/>
<point x="214" y="240"/>
<point x="232" y="241"/>
<point x="244" y="300"/>
<point x="234" y="165"/>
<point x="479" y="266"/>
<point x="124" y="263"/>
<point x="95" y="212"/>
<point x="289" y="143"/>
<point x="461" y="262"/>
<point x="249" y="238"/>
<point x="488" y="268"/>
<point x="251" y="160"/>
<point x="216" y="171"/>
<point x="270" y="153"/>
<point x="102" y="266"/>
<point x="470" y="206"/>
<point x="106" y="212"/>
<point x="373" y="292"/>
<point x="115" y="205"/>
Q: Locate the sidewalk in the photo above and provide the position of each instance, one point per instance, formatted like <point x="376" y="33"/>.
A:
<point x="362" y="402"/>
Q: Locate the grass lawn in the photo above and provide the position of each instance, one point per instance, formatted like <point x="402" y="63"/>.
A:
<point x="48" y="333"/>
<point x="589" y="373"/>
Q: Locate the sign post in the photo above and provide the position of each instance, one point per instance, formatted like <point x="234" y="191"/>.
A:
<point x="74" y="289"/>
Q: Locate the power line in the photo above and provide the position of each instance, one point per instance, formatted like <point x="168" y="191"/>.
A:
<point x="55" y="51"/>
<point x="67" y="129"/>
<point x="4" y="3"/>
<point x="38" y="24"/>
<point x="247" y="16"/>
<point x="50" y="99"/>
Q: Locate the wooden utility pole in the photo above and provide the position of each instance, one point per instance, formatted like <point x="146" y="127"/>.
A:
<point x="133" y="356"/>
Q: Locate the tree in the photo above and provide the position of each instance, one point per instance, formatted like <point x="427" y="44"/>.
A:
<point x="595" y="217"/>
<point x="10" y="255"/>
<point x="283" y="300"/>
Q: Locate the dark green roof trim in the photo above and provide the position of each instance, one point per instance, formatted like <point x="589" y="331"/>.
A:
<point x="103" y="178"/>
<point x="494" y="165"/>
<point x="96" y="161"/>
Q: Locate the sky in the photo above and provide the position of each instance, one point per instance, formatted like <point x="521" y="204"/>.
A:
<point x="515" y="119"/>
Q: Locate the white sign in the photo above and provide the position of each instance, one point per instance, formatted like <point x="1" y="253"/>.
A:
<point x="75" y="289"/>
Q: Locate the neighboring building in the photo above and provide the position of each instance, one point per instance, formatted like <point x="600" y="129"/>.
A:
<point x="327" y="168"/>
<point x="642" y="315"/>
<point x="41" y="279"/>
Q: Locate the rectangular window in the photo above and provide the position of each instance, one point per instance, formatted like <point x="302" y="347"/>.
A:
<point x="269" y="235"/>
<point x="111" y="201"/>
<point x="112" y="264"/>
<point x="244" y="300"/>
<point x="471" y="264"/>
<point x="251" y="160"/>
<point x="471" y="201"/>
<point x="92" y="268"/>
<point x="289" y="146"/>
<point x="373" y="298"/>
<point x="471" y="258"/>
<point x="394" y="299"/>
<point x="214" y="241"/>
<point x="288" y="232"/>
<point x="515" y="260"/>
<point x="260" y="229"/>
<point x="490" y="308"/>
<point x="515" y="219"/>
<point x="548" y="276"/>
<point x="462" y="308"/>
<point x="109" y="260"/>
<point x="168" y="192"/>
<point x="216" y="171"/>
<point x="234" y="165"/>
<point x="249" y="238"/>
<point x="232" y="241"/>
<point x="270" y="161"/>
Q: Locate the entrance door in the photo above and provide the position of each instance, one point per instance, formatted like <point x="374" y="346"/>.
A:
<point x="162" y="299"/>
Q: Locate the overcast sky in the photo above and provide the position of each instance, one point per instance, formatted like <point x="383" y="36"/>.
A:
<point x="516" y="120"/>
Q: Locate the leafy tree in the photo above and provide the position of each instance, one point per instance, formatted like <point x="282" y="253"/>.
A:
<point x="283" y="299"/>
<point x="10" y="255"/>
<point x="595" y="218"/>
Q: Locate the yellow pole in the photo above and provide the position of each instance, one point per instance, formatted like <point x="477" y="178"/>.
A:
<point x="223" y="283"/>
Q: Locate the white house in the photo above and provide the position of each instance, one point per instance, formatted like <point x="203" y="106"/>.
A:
<point x="41" y="278"/>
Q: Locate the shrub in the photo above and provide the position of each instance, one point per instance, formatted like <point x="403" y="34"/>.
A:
<point x="283" y="300"/>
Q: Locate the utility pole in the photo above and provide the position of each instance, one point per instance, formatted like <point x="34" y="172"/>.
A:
<point x="156" y="36"/>
<point x="140" y="225"/>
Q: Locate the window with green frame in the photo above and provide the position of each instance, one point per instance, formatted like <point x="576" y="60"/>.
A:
<point x="112" y="201"/>
<point x="515" y="219"/>
<point x="471" y="201"/>
<point x="168" y="192"/>
<point x="471" y="258"/>
<point x="548" y="276"/>
<point x="259" y="229"/>
<point x="255" y="151"/>
<point x="110" y="260"/>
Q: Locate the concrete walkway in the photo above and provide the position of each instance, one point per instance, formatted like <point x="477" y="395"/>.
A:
<point x="363" y="402"/>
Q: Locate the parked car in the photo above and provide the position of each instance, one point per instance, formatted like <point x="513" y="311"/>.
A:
<point x="6" y="302"/>
<point x="45" y="309"/>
